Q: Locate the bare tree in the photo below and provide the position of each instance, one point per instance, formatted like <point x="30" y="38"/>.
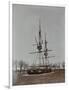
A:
<point x="20" y="65"/>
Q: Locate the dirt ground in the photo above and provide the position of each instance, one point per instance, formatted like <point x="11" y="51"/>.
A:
<point x="57" y="76"/>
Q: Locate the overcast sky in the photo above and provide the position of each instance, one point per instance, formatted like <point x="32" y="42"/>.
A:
<point x="26" y="26"/>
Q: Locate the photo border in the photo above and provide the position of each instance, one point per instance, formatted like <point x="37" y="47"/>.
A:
<point x="10" y="38"/>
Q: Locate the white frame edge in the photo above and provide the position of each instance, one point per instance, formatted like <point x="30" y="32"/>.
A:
<point x="10" y="31"/>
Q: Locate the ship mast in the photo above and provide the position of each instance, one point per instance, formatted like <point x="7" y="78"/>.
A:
<point x="39" y="44"/>
<point x="45" y="51"/>
<point x="39" y="48"/>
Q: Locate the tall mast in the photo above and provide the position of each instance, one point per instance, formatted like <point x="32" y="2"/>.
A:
<point x="39" y="47"/>
<point x="45" y="50"/>
<point x="39" y="31"/>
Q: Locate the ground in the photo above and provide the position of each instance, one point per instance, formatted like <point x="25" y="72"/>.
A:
<point x="57" y="76"/>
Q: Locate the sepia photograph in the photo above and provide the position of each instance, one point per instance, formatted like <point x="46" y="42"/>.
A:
<point x="38" y="44"/>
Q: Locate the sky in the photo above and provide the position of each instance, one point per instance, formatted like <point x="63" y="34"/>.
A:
<point x="25" y="27"/>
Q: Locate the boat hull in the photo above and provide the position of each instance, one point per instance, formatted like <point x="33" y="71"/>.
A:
<point x="38" y="71"/>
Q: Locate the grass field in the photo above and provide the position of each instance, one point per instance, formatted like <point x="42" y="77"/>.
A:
<point x="57" y="76"/>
